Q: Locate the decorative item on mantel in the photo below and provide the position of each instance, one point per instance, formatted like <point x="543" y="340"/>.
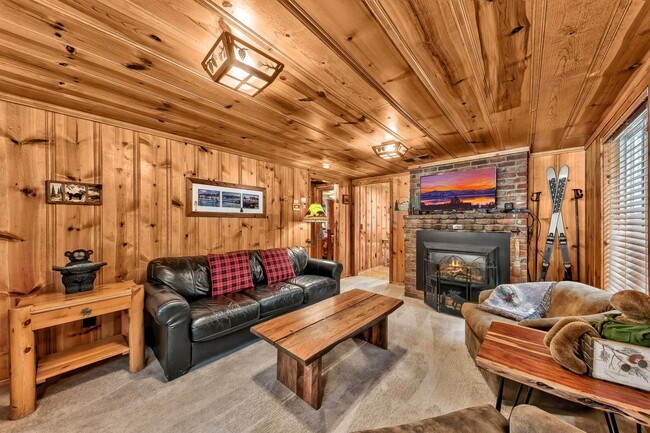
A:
<point x="79" y="274"/>
<point x="239" y="66"/>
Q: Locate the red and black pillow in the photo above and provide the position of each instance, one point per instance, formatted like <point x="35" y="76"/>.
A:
<point x="277" y="265"/>
<point x="230" y="272"/>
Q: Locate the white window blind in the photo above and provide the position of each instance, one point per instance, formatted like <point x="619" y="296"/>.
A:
<point x="625" y="205"/>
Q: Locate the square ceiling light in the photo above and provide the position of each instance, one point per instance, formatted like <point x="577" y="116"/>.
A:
<point x="239" y="66"/>
<point x="390" y="150"/>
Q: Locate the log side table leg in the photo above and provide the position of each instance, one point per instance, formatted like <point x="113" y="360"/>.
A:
<point x="136" y="330"/>
<point x="303" y="379"/>
<point x="377" y="334"/>
<point x="23" y="363"/>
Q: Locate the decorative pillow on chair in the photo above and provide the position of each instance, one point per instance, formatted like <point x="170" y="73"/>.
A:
<point x="230" y="272"/>
<point x="277" y="265"/>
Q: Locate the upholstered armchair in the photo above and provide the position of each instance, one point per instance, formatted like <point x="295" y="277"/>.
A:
<point x="568" y="298"/>
<point x="486" y="419"/>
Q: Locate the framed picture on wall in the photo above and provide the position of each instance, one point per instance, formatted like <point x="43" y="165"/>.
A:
<point x="221" y="199"/>
<point x="59" y="192"/>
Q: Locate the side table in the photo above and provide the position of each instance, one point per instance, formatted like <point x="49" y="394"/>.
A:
<point x="51" y="309"/>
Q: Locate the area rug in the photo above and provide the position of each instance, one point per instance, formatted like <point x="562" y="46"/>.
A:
<point x="425" y="372"/>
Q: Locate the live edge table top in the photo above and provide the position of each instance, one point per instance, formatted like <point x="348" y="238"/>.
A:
<point x="518" y="353"/>
<point x="309" y="333"/>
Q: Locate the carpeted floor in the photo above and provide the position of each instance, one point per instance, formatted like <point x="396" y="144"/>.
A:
<point x="425" y="372"/>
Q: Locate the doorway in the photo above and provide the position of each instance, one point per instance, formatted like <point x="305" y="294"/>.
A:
<point x="373" y="208"/>
<point x="323" y="233"/>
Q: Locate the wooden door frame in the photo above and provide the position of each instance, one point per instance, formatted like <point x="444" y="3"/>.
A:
<point x="355" y="238"/>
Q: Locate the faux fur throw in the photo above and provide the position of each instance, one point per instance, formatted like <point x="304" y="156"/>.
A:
<point x="519" y="301"/>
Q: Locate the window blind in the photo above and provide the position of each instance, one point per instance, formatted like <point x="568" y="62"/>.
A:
<point x="625" y="205"/>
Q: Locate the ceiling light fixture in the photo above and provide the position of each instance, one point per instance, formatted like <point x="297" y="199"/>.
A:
<point x="326" y="165"/>
<point x="239" y="66"/>
<point x="390" y="150"/>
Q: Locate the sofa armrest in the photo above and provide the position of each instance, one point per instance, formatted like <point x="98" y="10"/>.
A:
<point x="530" y="419"/>
<point x="547" y="323"/>
<point x="325" y="268"/>
<point x="165" y="306"/>
<point x="169" y="329"/>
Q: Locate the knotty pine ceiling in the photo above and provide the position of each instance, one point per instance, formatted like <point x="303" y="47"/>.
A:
<point x="450" y="78"/>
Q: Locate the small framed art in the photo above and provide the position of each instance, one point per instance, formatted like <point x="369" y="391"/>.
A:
<point x="63" y="192"/>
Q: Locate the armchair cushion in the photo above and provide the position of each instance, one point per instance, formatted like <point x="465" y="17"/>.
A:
<point x="483" y="419"/>
<point x="569" y="298"/>
<point x="221" y="314"/>
<point x="530" y="419"/>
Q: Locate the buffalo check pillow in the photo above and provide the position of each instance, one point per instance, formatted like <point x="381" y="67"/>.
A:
<point x="230" y="272"/>
<point x="277" y="265"/>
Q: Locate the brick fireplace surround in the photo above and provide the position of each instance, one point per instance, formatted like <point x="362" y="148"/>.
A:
<point x="512" y="186"/>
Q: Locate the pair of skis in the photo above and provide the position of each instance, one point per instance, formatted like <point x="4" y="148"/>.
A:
<point x="557" y="187"/>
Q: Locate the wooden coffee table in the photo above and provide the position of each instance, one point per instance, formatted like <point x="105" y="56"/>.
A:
<point x="518" y="353"/>
<point x="302" y="337"/>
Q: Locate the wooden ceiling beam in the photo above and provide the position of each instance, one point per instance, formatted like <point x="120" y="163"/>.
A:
<point x="428" y="51"/>
<point x="293" y="7"/>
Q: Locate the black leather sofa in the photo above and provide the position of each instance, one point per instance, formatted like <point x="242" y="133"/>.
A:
<point x="185" y="324"/>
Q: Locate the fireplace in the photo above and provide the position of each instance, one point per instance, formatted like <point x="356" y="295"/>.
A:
<point x="456" y="273"/>
<point x="453" y="268"/>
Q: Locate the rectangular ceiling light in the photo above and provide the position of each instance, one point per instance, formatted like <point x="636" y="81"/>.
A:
<point x="390" y="150"/>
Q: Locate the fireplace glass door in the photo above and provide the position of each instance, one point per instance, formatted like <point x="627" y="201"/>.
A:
<point x="457" y="273"/>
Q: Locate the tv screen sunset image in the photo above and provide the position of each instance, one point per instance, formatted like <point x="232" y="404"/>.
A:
<point x="460" y="190"/>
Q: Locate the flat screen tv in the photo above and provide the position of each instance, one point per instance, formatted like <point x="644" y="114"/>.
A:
<point x="459" y="190"/>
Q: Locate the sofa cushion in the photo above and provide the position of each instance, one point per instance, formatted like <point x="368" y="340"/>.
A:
<point x="275" y="298"/>
<point x="221" y="315"/>
<point x="316" y="287"/>
<point x="277" y="265"/>
<point x="299" y="258"/>
<point x="230" y="272"/>
<point x="188" y="276"/>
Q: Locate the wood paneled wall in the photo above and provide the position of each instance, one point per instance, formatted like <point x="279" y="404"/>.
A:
<point x="143" y="214"/>
<point x="537" y="166"/>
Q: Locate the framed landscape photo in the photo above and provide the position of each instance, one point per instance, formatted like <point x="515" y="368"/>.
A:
<point x="221" y="199"/>
<point x="60" y="192"/>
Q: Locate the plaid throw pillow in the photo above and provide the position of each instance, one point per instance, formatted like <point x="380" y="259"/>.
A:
<point x="230" y="272"/>
<point x="277" y="265"/>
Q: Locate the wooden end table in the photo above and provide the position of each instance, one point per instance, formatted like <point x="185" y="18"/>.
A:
<point x="51" y="309"/>
<point x="518" y="353"/>
<point x="302" y="337"/>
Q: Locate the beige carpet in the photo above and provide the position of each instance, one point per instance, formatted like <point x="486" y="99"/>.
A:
<point x="425" y="372"/>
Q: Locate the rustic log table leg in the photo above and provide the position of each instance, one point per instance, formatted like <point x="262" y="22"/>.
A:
<point x="303" y="379"/>
<point x="23" y="363"/>
<point x="136" y="331"/>
<point x="377" y="334"/>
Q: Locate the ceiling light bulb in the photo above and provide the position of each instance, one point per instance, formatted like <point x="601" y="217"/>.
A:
<point x="326" y="165"/>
